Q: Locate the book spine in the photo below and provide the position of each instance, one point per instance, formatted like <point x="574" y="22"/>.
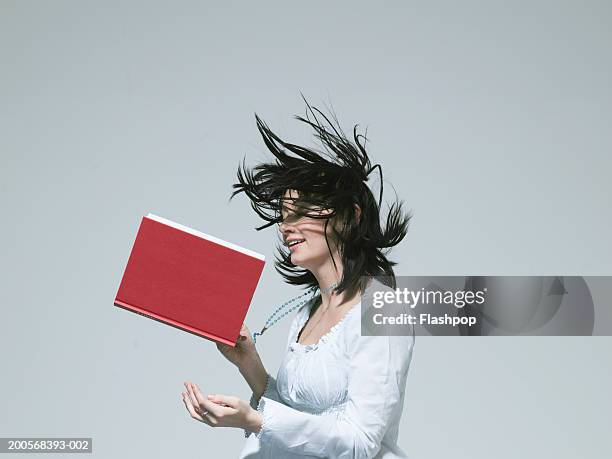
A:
<point x="174" y="323"/>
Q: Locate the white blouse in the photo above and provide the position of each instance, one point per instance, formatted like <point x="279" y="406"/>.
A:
<point x="341" y="397"/>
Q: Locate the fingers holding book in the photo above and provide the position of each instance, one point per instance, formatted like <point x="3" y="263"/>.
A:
<point x="244" y="350"/>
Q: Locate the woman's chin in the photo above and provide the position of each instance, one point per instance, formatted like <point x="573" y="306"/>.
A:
<point x="297" y="260"/>
<point x="303" y="262"/>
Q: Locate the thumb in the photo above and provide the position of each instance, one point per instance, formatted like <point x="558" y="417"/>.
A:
<point x="225" y="399"/>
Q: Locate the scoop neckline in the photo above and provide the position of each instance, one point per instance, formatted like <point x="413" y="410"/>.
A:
<point x="326" y="336"/>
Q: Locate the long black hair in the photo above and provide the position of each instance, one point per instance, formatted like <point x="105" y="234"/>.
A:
<point x="334" y="180"/>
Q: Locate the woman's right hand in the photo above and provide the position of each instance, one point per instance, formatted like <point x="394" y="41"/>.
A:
<point x="243" y="352"/>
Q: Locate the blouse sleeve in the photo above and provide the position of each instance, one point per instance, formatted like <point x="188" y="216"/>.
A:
<point x="270" y="392"/>
<point x="377" y="369"/>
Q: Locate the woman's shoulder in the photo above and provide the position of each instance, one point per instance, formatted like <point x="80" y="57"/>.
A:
<point x="359" y="338"/>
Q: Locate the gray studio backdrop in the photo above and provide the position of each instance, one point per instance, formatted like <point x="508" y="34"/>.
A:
<point x="491" y="120"/>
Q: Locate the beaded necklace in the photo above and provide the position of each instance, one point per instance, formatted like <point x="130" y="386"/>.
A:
<point x="277" y="315"/>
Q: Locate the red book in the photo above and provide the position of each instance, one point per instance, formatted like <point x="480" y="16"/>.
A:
<point x="190" y="280"/>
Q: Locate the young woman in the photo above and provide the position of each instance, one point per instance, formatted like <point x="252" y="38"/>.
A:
<point x="337" y="394"/>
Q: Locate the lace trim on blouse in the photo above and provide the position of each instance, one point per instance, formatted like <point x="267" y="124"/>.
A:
<point x="327" y="336"/>
<point x="259" y="406"/>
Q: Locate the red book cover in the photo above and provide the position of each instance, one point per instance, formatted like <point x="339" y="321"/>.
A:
<point x="190" y="280"/>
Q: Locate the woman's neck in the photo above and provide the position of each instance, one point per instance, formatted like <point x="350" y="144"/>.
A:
<point x="328" y="275"/>
<point x="328" y="278"/>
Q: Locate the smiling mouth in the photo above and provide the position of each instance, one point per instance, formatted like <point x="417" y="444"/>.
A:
<point x="294" y="243"/>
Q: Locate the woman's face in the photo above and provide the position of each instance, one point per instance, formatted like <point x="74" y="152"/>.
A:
<point x="304" y="236"/>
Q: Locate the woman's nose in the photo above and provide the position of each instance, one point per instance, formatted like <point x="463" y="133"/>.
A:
<point x="286" y="229"/>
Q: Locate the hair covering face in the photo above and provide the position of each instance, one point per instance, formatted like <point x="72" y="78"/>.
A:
<point x="333" y="180"/>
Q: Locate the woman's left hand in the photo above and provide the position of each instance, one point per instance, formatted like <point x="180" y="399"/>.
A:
<point x="220" y="410"/>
